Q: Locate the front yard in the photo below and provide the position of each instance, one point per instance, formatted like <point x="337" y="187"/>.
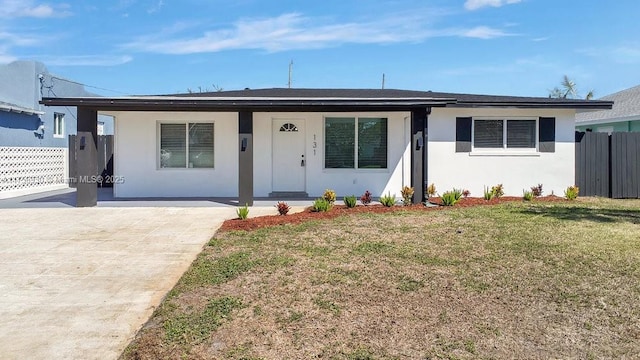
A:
<point x="515" y="280"/>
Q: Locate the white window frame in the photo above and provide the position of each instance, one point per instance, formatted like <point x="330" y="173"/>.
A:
<point x="186" y="124"/>
<point x="58" y="125"/>
<point x="355" y="149"/>
<point x="504" y="149"/>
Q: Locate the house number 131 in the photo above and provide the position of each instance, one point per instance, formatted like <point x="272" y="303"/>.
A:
<point x="315" y="144"/>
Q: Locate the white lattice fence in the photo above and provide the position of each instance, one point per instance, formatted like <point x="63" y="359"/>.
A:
<point x="25" y="170"/>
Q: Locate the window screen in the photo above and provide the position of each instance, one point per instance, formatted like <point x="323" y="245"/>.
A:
<point x="339" y="151"/>
<point x="372" y="143"/>
<point x="521" y="133"/>
<point x="488" y="133"/>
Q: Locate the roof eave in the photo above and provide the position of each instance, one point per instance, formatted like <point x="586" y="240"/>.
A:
<point x="19" y="109"/>
<point x="591" y="105"/>
<point x="304" y="104"/>
<point x="216" y="104"/>
<point x="607" y="120"/>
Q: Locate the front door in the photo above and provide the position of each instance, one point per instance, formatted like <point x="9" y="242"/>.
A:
<point x="289" y="162"/>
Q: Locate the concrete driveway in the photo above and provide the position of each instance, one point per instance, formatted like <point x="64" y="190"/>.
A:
<point x="78" y="283"/>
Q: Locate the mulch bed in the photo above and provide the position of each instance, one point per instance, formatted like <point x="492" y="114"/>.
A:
<point x="339" y="210"/>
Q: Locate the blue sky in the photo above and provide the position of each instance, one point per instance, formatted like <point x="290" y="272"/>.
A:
<point x="513" y="47"/>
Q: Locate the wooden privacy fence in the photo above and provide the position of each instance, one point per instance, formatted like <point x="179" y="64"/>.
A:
<point x="607" y="165"/>
<point x="105" y="160"/>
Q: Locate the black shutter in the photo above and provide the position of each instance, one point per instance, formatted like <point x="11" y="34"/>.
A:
<point x="547" y="134"/>
<point x="463" y="134"/>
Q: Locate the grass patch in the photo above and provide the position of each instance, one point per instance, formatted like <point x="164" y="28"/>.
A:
<point x="408" y="284"/>
<point x="207" y="271"/>
<point x="193" y="328"/>
<point x="526" y="280"/>
<point x="372" y="247"/>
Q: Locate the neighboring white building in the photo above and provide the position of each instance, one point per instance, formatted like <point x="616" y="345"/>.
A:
<point x="279" y="142"/>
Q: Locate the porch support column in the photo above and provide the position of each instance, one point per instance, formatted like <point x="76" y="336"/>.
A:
<point x="245" y="161"/>
<point x="419" y="154"/>
<point x="87" y="158"/>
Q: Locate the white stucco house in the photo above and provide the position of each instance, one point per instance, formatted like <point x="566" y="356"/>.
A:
<point x="283" y="142"/>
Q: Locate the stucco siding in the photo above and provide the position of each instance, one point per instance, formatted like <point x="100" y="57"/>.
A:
<point x="343" y="181"/>
<point x="516" y="171"/>
<point x="136" y="156"/>
<point x="136" y="152"/>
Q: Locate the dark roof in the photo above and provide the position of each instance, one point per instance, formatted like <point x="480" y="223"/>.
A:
<point x="320" y="99"/>
<point x="626" y="107"/>
<point x="314" y="93"/>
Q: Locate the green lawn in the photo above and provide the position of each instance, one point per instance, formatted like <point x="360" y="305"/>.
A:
<point x="519" y="280"/>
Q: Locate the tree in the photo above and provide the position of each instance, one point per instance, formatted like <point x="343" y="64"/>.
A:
<point x="568" y="90"/>
<point x="216" y="88"/>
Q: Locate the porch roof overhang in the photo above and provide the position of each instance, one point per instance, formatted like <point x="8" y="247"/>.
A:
<point x="266" y="104"/>
<point x="202" y="102"/>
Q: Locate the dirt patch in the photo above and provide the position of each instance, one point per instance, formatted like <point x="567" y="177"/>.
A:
<point x="340" y="210"/>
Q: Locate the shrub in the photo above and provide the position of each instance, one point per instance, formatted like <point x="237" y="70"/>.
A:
<point x="528" y="195"/>
<point x="572" y="192"/>
<point x="365" y="199"/>
<point x="329" y="195"/>
<point x="243" y="212"/>
<point x="388" y="200"/>
<point x="321" y="205"/>
<point x="466" y="193"/>
<point x="536" y="191"/>
<point x="497" y="191"/>
<point x="407" y="195"/>
<point x="431" y="190"/>
<point x="283" y="208"/>
<point x="488" y="194"/>
<point x="449" y="198"/>
<point x="350" y="201"/>
<point x="457" y="193"/>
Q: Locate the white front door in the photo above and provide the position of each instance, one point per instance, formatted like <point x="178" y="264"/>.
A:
<point x="289" y="161"/>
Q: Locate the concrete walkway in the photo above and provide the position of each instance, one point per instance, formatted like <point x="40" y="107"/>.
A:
<point x="78" y="283"/>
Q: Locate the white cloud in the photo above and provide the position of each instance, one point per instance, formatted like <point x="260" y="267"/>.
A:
<point x="86" y="60"/>
<point x="28" y="8"/>
<point x="10" y="40"/>
<point x="484" y="32"/>
<point x="621" y="54"/>
<point x="626" y="54"/>
<point x="295" y="31"/>
<point x="478" y="4"/>
<point x="13" y="39"/>
<point x="156" y="7"/>
<point x="5" y="57"/>
<point x="545" y="38"/>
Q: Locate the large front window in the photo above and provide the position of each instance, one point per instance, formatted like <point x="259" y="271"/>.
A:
<point x="355" y="143"/>
<point x="499" y="134"/>
<point x="186" y="145"/>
